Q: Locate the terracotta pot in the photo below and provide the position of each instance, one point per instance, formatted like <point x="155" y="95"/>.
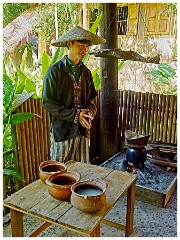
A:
<point x="89" y="195"/>
<point x="47" y="168"/>
<point x="59" y="184"/>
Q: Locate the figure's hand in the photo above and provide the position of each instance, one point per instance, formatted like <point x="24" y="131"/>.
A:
<point x="85" y="118"/>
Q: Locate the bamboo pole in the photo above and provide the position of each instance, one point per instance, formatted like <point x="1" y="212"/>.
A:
<point x="174" y="128"/>
<point x="128" y="126"/>
<point x="152" y="118"/>
<point x="172" y="99"/>
<point x="39" y="159"/>
<point x="146" y="95"/>
<point x="141" y="113"/>
<point x="31" y="140"/>
<point x="162" y="117"/>
<point x="15" y="155"/>
<point x="134" y="108"/>
<point x="156" y="98"/>
<point x="35" y="133"/>
<point x="131" y="109"/>
<point x="166" y="119"/>
<point x="20" y="153"/>
<point x="28" y="147"/>
<point x="149" y="107"/>
<point x="159" y="118"/>
<point x="138" y="111"/>
<point x="45" y="130"/>
<point x="48" y="134"/>
<point x="24" y="153"/>
<point x="120" y="112"/>
<point x="124" y="111"/>
<point x="40" y="130"/>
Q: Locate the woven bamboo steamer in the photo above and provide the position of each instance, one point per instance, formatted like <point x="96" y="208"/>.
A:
<point x="78" y="33"/>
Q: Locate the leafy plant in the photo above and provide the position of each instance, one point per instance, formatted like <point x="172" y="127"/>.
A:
<point x="66" y="18"/>
<point x="11" y="101"/>
<point x="25" y="82"/>
<point x="163" y="76"/>
<point x="11" y="11"/>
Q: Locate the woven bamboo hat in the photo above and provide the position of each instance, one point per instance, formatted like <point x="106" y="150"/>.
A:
<point x="78" y="33"/>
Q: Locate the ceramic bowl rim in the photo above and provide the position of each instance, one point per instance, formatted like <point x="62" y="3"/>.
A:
<point x="57" y="164"/>
<point x="50" y="184"/>
<point x="103" y="189"/>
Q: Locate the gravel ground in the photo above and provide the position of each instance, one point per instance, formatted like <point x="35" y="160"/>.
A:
<point x="149" y="221"/>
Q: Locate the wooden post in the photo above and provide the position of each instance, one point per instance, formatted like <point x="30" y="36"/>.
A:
<point x="86" y="20"/>
<point x="109" y="83"/>
<point x="41" y="45"/>
<point x="80" y="19"/>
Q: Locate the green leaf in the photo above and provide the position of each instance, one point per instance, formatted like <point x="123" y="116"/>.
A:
<point x="20" y="88"/>
<point x="155" y="73"/>
<point x="166" y="70"/>
<point x="12" y="172"/>
<point x="59" y="53"/>
<point x="21" y="75"/>
<point x="96" y="24"/>
<point x="30" y="86"/>
<point x="8" y="91"/>
<point x="120" y="63"/>
<point x="18" y="100"/>
<point x="175" y="50"/>
<point x="21" y="117"/>
<point x="24" y="58"/>
<point x="172" y="91"/>
<point x="163" y="80"/>
<point x="45" y="63"/>
<point x="96" y="78"/>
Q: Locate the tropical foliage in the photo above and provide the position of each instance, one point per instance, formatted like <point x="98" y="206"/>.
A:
<point x="163" y="75"/>
<point x="11" y="11"/>
<point x="66" y="14"/>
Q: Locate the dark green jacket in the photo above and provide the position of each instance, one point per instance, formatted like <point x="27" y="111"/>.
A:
<point x="58" y="100"/>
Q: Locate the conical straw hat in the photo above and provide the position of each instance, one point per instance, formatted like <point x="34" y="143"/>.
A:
<point x="78" y="33"/>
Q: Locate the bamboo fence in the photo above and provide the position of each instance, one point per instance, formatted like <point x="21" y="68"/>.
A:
<point x="144" y="113"/>
<point x="33" y="141"/>
<point x="149" y="114"/>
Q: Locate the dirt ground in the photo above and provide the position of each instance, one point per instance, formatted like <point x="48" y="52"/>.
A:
<point x="149" y="221"/>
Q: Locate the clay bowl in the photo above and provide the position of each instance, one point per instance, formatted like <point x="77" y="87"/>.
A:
<point x="48" y="168"/>
<point x="89" y="195"/>
<point x="59" y="184"/>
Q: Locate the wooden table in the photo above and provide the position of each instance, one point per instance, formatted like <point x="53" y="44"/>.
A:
<point x="35" y="200"/>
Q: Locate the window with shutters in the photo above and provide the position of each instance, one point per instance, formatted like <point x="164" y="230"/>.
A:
<point x="127" y="19"/>
<point x="122" y="16"/>
<point x="132" y="21"/>
<point x="157" y="20"/>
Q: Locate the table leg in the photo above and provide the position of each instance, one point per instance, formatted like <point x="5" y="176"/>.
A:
<point x="96" y="232"/>
<point x="130" y="210"/>
<point x="16" y="223"/>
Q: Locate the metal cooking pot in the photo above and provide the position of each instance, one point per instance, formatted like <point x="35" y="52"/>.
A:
<point x="136" y="155"/>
